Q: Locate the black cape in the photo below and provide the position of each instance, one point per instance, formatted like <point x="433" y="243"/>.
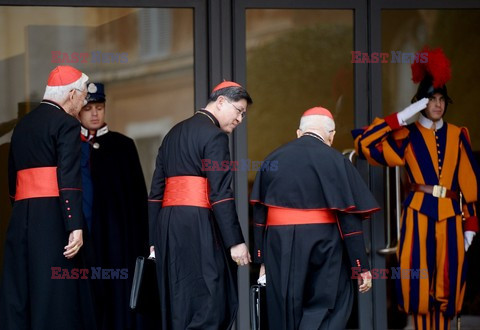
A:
<point x="312" y="175"/>
<point x="196" y="276"/>
<point x="119" y="224"/>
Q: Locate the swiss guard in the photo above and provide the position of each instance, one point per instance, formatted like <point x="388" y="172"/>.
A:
<point x="439" y="218"/>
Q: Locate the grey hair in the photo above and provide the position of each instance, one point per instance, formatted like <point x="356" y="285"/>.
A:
<point x="59" y="94"/>
<point x="316" y="122"/>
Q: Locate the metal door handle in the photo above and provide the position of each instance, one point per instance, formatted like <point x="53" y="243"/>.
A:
<point x="389" y="249"/>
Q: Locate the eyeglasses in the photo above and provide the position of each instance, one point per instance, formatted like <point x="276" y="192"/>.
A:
<point x="240" y="111"/>
<point x="83" y="90"/>
<point x="79" y="90"/>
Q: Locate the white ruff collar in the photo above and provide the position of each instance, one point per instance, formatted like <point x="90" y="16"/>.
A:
<point x="427" y="123"/>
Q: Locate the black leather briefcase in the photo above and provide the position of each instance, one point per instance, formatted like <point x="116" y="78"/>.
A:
<point x="258" y="308"/>
<point x="144" y="297"/>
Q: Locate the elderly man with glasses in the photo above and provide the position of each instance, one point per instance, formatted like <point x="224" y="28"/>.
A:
<point x="41" y="286"/>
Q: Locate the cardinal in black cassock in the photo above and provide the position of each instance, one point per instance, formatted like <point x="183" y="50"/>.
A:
<point x="308" y="210"/>
<point x="45" y="238"/>
<point x="193" y="222"/>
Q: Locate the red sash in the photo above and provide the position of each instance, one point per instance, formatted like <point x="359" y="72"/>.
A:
<point x="278" y="216"/>
<point x="37" y="182"/>
<point x="186" y="191"/>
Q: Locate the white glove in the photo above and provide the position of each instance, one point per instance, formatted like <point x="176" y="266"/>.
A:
<point x="467" y="238"/>
<point x="152" y="255"/>
<point x="262" y="280"/>
<point x="411" y="111"/>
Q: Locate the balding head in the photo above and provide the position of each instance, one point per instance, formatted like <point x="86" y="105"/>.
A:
<point x="319" y="121"/>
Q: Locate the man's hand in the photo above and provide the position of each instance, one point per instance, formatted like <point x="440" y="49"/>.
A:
<point x="364" y="282"/>
<point x="262" y="270"/>
<point x="240" y="254"/>
<point x="468" y="238"/>
<point x="75" y="242"/>
<point x="262" y="278"/>
<point x="410" y="111"/>
<point x="152" y="252"/>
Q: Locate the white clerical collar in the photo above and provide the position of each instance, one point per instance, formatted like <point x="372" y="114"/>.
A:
<point x="427" y="123"/>
<point x="100" y="131"/>
<point x="315" y="135"/>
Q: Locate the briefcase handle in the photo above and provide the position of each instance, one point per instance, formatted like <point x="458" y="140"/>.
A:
<point x="255" y="307"/>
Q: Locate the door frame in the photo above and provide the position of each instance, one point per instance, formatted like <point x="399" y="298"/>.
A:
<point x="220" y="53"/>
<point x="200" y="36"/>
<point x="359" y="8"/>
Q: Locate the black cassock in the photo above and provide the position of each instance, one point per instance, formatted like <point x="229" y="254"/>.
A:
<point x="308" y="281"/>
<point x="33" y="295"/>
<point x="118" y="224"/>
<point x="196" y="276"/>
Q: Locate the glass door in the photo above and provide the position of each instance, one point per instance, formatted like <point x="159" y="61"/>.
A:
<point x="405" y="31"/>
<point x="144" y="56"/>
<point x="399" y="29"/>
<point x="293" y="56"/>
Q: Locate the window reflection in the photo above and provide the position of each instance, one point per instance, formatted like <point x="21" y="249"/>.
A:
<point x="297" y="59"/>
<point x="144" y="56"/>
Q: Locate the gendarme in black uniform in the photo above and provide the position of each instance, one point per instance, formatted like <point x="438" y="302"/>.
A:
<point x="119" y="221"/>
<point x="115" y="208"/>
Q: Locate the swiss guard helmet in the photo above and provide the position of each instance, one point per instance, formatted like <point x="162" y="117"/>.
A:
<point x="432" y="75"/>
